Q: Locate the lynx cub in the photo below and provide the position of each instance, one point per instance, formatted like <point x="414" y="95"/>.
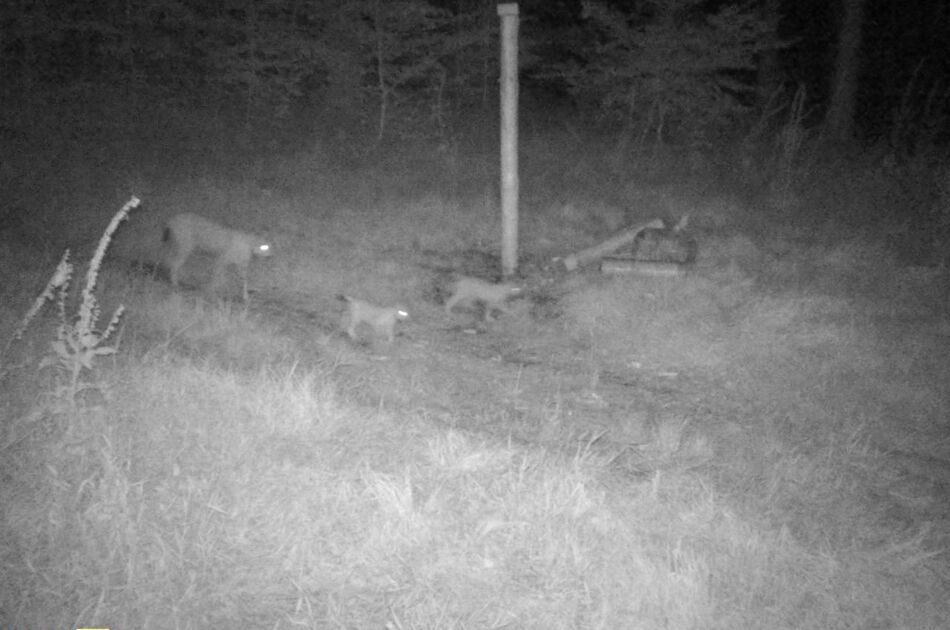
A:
<point x="382" y="319"/>
<point x="473" y="290"/>
<point x="186" y="233"/>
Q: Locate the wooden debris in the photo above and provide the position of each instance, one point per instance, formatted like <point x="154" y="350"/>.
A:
<point x="643" y="268"/>
<point x="612" y="244"/>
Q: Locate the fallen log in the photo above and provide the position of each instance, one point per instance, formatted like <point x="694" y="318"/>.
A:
<point x="642" y="268"/>
<point x="612" y="244"/>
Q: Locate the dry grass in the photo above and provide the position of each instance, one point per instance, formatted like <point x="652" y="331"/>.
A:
<point x="224" y="498"/>
<point x="759" y="445"/>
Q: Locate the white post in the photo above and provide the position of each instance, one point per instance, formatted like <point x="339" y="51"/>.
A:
<point x="509" y="137"/>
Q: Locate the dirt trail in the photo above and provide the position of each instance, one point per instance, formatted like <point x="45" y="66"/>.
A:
<point x="539" y="387"/>
<point x="524" y="379"/>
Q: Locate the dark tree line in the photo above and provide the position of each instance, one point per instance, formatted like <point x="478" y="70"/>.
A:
<point x="677" y="70"/>
<point x="258" y="59"/>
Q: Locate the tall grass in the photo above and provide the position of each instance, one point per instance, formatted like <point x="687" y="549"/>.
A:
<point x="755" y="446"/>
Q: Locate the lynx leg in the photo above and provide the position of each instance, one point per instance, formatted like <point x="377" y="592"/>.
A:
<point x="174" y="263"/>
<point x="495" y="306"/>
<point x="244" y="280"/>
<point x="173" y="272"/>
<point x="175" y="251"/>
<point x="451" y="302"/>
<point x="218" y="274"/>
<point x="490" y="307"/>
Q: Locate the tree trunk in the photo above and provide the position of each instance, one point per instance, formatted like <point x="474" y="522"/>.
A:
<point x="381" y="73"/>
<point x="840" y="119"/>
<point x="769" y="77"/>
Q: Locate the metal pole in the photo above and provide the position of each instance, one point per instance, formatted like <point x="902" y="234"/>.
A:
<point x="509" y="137"/>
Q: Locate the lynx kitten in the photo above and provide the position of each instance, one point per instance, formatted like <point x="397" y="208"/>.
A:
<point x="382" y="319"/>
<point x="186" y="233"/>
<point x="473" y="290"/>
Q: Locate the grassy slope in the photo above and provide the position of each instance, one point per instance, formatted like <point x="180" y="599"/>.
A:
<point x="761" y="444"/>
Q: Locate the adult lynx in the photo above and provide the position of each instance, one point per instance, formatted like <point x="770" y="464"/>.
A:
<point x="187" y="233"/>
